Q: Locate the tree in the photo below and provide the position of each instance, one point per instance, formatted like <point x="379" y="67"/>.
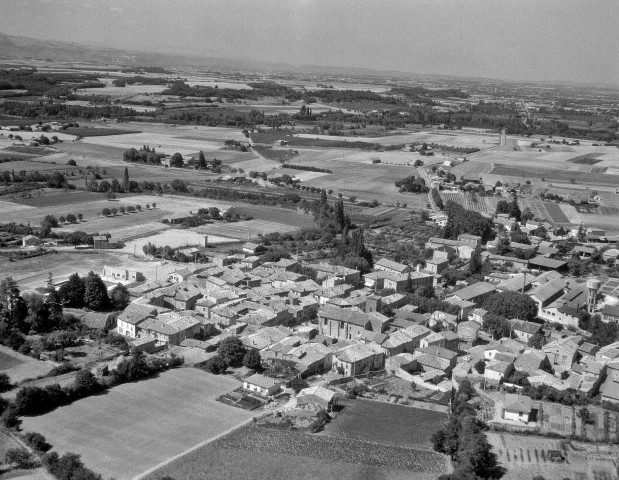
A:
<point x="497" y="326"/>
<point x="201" y="161"/>
<point x="37" y="442"/>
<point x="19" y="457"/>
<point x="62" y="220"/>
<point x="10" y="418"/>
<point x="475" y="263"/>
<point x="95" y="292"/>
<point x="126" y="183"/>
<point x="503" y="245"/>
<point x="297" y="384"/>
<point x="511" y="305"/>
<point x="119" y="297"/>
<point x="80" y="217"/>
<point x="71" y="218"/>
<point x="176" y="160"/>
<point x="252" y="359"/>
<point x="216" y="365"/>
<point x="72" y="292"/>
<point x="480" y="366"/>
<point x="106" y="212"/>
<point x="232" y="350"/>
<point x="5" y="382"/>
<point x="85" y="384"/>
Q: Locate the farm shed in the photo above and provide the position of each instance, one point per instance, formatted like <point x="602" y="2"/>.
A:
<point x="30" y="240"/>
<point x="316" y="397"/>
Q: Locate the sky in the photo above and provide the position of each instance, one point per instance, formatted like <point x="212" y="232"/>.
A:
<point x="548" y="40"/>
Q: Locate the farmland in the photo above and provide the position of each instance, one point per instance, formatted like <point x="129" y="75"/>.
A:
<point x="134" y="427"/>
<point x="259" y="453"/>
<point x="386" y="423"/>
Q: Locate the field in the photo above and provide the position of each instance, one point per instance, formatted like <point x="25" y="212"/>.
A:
<point x="479" y="204"/>
<point x="259" y="453"/>
<point x="526" y="457"/>
<point x="20" y="367"/>
<point x="555" y="213"/>
<point x="135" y="427"/>
<point x="174" y="238"/>
<point x="355" y="175"/>
<point x="386" y="423"/>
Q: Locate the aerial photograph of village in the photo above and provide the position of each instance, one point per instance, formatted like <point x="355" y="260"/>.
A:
<point x="309" y="239"/>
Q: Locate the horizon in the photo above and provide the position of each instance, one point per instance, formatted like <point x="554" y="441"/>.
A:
<point x="477" y="39"/>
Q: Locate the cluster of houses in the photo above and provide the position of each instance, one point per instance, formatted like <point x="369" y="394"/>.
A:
<point x="338" y="322"/>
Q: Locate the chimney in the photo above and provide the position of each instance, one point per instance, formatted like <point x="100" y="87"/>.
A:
<point x="418" y="267"/>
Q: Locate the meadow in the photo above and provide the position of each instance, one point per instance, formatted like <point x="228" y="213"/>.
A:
<point x="136" y="426"/>
<point x="21" y="367"/>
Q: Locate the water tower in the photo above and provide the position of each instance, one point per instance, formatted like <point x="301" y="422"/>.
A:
<point x="593" y="285"/>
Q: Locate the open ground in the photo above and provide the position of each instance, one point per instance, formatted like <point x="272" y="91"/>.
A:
<point x="134" y="427"/>
<point x="20" y="367"/>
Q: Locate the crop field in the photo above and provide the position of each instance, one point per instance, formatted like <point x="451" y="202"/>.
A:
<point x="185" y="131"/>
<point x="167" y="144"/>
<point x="125" y="92"/>
<point x="558" y="175"/>
<point x="556" y="213"/>
<point x="571" y="214"/>
<point x="245" y="230"/>
<point x="386" y="423"/>
<point x="136" y="426"/>
<point x="258" y="453"/>
<point x="355" y="175"/>
<point x="471" y="169"/>
<point x="173" y="238"/>
<point x="20" y="367"/>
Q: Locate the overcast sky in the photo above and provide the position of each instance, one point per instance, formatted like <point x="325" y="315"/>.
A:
<point x="567" y="40"/>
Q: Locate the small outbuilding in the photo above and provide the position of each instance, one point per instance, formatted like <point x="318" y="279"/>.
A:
<point x="316" y="397"/>
<point x="517" y="407"/>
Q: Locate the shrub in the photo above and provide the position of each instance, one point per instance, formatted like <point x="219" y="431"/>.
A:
<point x="37" y="442"/>
<point x="216" y="365"/>
<point x="20" y="458"/>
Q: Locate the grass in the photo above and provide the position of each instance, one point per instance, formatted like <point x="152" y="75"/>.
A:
<point x="21" y="367"/>
<point x="256" y="453"/>
<point x="386" y="423"/>
<point x="8" y="361"/>
<point x="137" y="426"/>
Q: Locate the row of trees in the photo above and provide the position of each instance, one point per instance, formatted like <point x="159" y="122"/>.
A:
<point x="106" y="212"/>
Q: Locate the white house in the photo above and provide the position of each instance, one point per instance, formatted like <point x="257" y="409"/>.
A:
<point x="517" y="407"/>
<point x="265" y="386"/>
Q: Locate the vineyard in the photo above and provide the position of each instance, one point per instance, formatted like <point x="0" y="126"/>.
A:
<point x="471" y="202"/>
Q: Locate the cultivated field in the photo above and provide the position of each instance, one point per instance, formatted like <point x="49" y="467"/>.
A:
<point x="259" y="453"/>
<point x="164" y="143"/>
<point x="188" y="131"/>
<point x="136" y="426"/>
<point x="20" y="367"/>
<point x="174" y="238"/>
<point x="471" y="202"/>
<point x="386" y="423"/>
<point x="452" y="139"/>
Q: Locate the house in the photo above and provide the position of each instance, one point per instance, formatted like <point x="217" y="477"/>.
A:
<point x="144" y="344"/>
<point x="516" y="407"/>
<point x="398" y="342"/>
<point x="530" y="362"/>
<point x="610" y="313"/>
<point x="546" y="293"/>
<point x="170" y="328"/>
<point x="265" y="386"/>
<point x="523" y="330"/>
<point x="472" y="240"/>
<point x="468" y="332"/>
<point x="331" y="275"/>
<point x="358" y="359"/>
<point x="124" y="274"/>
<point x="435" y="358"/>
<point x="497" y="370"/>
<point x="476" y="292"/>
<point x="390" y="266"/>
<point x="180" y="275"/>
<point x="478" y="315"/>
<point x="30" y="240"/>
<point x="316" y="397"/>
<point x="310" y="358"/>
<point x="583" y="252"/>
<point x="436" y="265"/>
<point x="562" y="351"/>
<point x="609" y="389"/>
<point x="132" y="316"/>
<point x="252" y="248"/>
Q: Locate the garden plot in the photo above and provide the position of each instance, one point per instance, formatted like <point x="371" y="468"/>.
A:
<point x="137" y="426"/>
<point x="571" y="213"/>
<point x="167" y="144"/>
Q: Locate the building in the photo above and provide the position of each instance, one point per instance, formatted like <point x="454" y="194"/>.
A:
<point x="169" y="328"/>
<point x="345" y="323"/>
<point x="476" y="292"/>
<point x="390" y="266"/>
<point x="252" y="248"/>
<point x="100" y="241"/>
<point x="562" y="351"/>
<point x="517" y="407"/>
<point x="610" y="313"/>
<point x="498" y="370"/>
<point x="472" y="240"/>
<point x="128" y="321"/>
<point x="123" y="274"/>
<point x="316" y="397"/>
<point x="436" y="265"/>
<point x="523" y="330"/>
<point x="359" y="358"/>
<point x="265" y="386"/>
<point x="543" y="263"/>
<point x="30" y="240"/>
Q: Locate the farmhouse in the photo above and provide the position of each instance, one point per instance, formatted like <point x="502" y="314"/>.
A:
<point x="524" y="331"/>
<point x="359" y="358"/>
<point x="610" y="313"/>
<point x="169" y="329"/>
<point x="390" y="266"/>
<point x="265" y="386"/>
<point x="132" y="316"/>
